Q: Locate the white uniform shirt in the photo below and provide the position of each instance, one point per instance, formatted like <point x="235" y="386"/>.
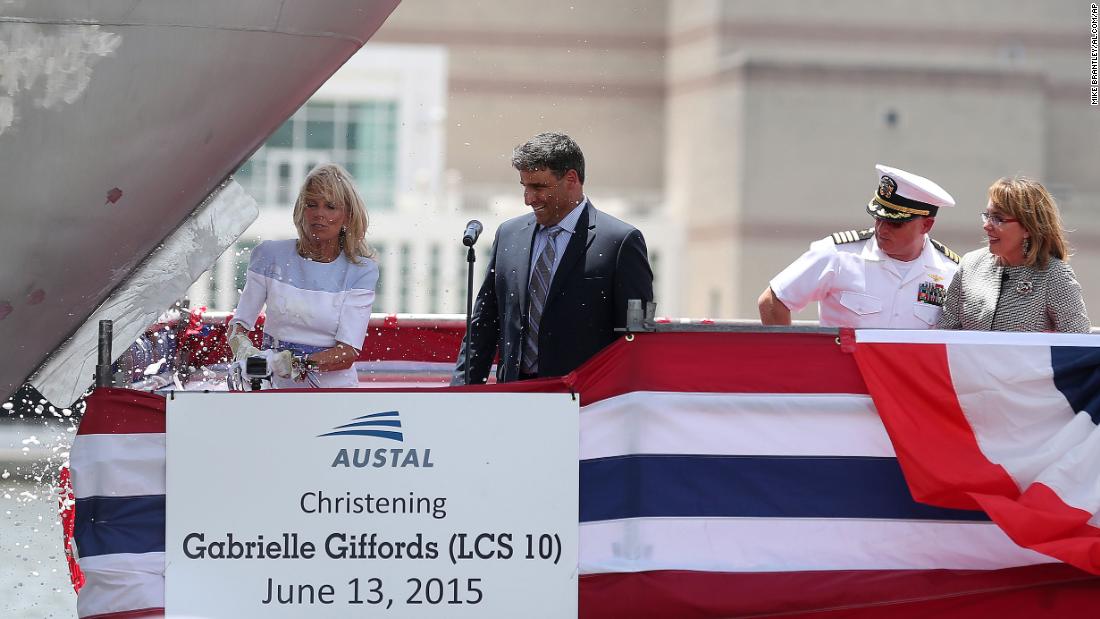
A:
<point x="856" y="285"/>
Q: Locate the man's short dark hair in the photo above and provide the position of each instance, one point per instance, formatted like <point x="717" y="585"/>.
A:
<point x="556" y="152"/>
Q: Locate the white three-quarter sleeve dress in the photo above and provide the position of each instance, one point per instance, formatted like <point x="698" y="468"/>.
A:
<point x="310" y="305"/>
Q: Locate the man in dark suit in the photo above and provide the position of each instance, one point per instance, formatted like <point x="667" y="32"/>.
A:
<point x="559" y="277"/>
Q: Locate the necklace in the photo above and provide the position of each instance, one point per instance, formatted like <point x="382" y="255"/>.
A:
<point x="312" y="256"/>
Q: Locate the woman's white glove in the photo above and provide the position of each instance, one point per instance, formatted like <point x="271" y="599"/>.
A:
<point x="242" y="346"/>
<point x="279" y="362"/>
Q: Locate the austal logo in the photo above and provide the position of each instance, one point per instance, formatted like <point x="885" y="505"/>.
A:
<point x="359" y="427"/>
<point x="385" y="425"/>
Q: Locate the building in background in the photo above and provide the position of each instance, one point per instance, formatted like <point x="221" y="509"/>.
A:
<point x="732" y="133"/>
<point x="778" y="111"/>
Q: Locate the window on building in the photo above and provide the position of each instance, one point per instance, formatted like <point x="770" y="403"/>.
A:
<point x="283" y="136"/>
<point x="406" y="275"/>
<point x="361" y="136"/>
<point x="244" y="173"/>
<point x="320" y="126"/>
<point x="433" y="280"/>
<point x="371" y="133"/>
<point x="282" y="184"/>
<point x="380" y="301"/>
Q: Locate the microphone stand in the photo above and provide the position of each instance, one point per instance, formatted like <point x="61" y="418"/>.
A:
<point x="469" y="306"/>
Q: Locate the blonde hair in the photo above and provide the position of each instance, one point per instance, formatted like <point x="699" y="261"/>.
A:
<point x="330" y="182"/>
<point x="1028" y="201"/>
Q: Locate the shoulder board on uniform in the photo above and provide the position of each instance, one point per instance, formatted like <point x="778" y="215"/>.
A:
<point x="945" y="250"/>
<point x="851" y="236"/>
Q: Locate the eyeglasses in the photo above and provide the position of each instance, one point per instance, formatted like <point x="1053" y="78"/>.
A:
<point x="996" y="219"/>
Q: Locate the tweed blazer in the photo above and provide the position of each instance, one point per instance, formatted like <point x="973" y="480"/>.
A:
<point x="985" y="296"/>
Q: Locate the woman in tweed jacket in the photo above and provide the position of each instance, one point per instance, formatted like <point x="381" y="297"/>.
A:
<point x="1021" y="281"/>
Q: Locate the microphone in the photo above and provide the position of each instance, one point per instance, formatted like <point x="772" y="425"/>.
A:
<point x="473" y="230"/>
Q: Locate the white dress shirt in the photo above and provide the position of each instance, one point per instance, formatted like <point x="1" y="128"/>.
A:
<point x="568" y="225"/>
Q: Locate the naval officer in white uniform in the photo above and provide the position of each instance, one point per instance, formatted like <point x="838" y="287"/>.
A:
<point x="891" y="276"/>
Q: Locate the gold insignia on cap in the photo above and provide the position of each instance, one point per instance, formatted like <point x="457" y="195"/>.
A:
<point x="886" y="187"/>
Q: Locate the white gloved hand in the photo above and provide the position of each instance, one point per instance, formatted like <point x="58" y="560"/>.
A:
<point x="242" y="346"/>
<point x="280" y="363"/>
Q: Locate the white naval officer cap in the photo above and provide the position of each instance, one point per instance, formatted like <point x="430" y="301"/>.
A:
<point x="902" y="196"/>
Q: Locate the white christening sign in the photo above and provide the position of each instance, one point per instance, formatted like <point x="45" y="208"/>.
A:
<point x="339" y="504"/>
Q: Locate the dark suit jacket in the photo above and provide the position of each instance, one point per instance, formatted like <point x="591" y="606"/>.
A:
<point x="604" y="265"/>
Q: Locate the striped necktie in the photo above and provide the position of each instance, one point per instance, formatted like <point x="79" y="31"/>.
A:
<point x="539" y="289"/>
